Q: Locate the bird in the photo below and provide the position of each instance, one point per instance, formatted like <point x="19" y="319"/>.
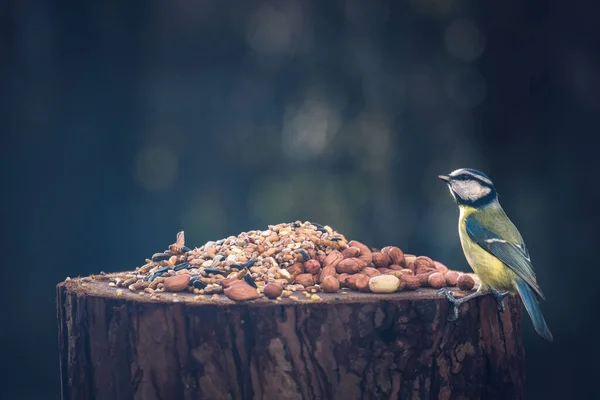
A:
<point x="493" y="247"/>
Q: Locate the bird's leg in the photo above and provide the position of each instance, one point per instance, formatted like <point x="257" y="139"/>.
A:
<point x="499" y="297"/>
<point x="457" y="302"/>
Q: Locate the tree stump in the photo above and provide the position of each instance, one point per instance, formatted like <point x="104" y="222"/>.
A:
<point x="347" y="346"/>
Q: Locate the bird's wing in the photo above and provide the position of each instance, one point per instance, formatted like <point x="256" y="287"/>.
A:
<point x="514" y="255"/>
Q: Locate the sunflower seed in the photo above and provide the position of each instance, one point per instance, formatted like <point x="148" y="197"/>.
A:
<point x="181" y="266"/>
<point x="212" y="270"/>
<point x="249" y="280"/>
<point x="160" y="257"/>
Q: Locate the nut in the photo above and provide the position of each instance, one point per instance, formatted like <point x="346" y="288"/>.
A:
<point x="349" y="266"/>
<point x="227" y="282"/>
<point x="385" y="270"/>
<point x="412" y="282"/>
<point x="370" y="272"/>
<point x="424" y="264"/>
<point x="401" y="285"/>
<point x="240" y="291"/>
<point x="273" y="290"/>
<point x="395" y="254"/>
<point x="342" y="279"/>
<point x="305" y="280"/>
<point x="358" y="282"/>
<point x="440" y="267"/>
<point x="451" y="278"/>
<point x="312" y="266"/>
<point x="333" y="259"/>
<point x="255" y="270"/>
<point x="362" y="283"/>
<point x="330" y="284"/>
<point x="297" y="268"/>
<point x="398" y="274"/>
<point x="409" y="257"/>
<point x="384" y="284"/>
<point x="436" y="280"/>
<point x="286" y="275"/>
<point x="325" y="272"/>
<point x="365" y="253"/>
<point x="409" y="260"/>
<point x="424" y="277"/>
<point x="380" y="260"/>
<point x="211" y="253"/>
<point x="396" y="267"/>
<point x="465" y="282"/>
<point x="350" y="280"/>
<point x="351" y="252"/>
<point x="176" y="283"/>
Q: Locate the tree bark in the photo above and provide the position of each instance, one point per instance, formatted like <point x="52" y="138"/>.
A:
<point x="349" y="346"/>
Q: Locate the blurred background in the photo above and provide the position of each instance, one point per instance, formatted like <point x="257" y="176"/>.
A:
<point x="126" y="122"/>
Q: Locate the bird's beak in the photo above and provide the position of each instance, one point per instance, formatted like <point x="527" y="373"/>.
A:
<point x="444" y="178"/>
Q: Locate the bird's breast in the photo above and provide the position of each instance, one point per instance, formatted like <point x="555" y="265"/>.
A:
<point x="490" y="270"/>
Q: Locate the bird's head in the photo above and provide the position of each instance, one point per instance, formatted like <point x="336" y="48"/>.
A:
<point x="470" y="187"/>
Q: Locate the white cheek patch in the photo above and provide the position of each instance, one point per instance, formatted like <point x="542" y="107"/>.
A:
<point x="452" y="192"/>
<point x="470" y="190"/>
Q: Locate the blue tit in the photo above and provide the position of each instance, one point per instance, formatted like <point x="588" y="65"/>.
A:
<point x="493" y="246"/>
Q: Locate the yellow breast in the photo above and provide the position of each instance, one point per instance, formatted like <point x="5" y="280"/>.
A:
<point x="490" y="270"/>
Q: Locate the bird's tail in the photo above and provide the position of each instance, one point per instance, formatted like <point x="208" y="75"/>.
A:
<point x="533" y="309"/>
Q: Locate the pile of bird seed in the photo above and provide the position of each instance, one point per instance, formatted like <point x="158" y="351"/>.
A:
<point x="281" y="260"/>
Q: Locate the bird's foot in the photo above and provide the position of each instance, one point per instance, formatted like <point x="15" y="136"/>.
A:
<point x="499" y="299"/>
<point x="453" y="300"/>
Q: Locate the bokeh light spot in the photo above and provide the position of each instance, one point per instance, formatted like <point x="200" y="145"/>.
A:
<point x="464" y="40"/>
<point x="156" y="167"/>
<point x="308" y="129"/>
<point x="270" y="31"/>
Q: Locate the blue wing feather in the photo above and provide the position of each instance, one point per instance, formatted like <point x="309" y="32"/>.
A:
<point x="513" y="255"/>
<point x="533" y="309"/>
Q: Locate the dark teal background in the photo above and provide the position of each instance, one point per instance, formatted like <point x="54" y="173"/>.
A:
<point x="125" y="122"/>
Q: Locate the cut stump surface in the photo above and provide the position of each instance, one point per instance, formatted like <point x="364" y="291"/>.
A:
<point x="347" y="346"/>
